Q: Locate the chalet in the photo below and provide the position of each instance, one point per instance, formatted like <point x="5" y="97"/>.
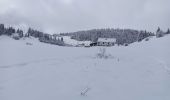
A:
<point x="104" y="42"/>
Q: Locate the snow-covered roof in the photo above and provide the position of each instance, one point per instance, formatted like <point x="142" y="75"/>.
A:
<point x="106" y="40"/>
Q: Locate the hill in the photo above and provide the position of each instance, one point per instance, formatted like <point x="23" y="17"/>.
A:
<point x="31" y="70"/>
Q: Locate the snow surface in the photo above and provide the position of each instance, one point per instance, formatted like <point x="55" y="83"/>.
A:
<point x="140" y="71"/>
<point x="73" y="42"/>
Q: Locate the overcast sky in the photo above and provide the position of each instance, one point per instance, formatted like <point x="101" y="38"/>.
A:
<point x="57" y="16"/>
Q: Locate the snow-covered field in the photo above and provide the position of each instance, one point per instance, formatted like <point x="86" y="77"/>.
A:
<point x="73" y="42"/>
<point x="41" y="71"/>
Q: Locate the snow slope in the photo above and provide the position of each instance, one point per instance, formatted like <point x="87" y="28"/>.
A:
<point x="40" y="71"/>
<point x="73" y="42"/>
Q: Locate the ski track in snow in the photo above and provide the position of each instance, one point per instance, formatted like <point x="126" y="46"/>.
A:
<point x="164" y="65"/>
<point x="30" y="62"/>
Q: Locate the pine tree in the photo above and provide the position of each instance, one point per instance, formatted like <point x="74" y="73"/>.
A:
<point x="158" y="29"/>
<point x="62" y="39"/>
<point x="20" y="32"/>
<point x="9" y="31"/>
<point x="2" y="29"/>
<point x="168" y="31"/>
<point x="29" y="33"/>
<point x="159" y="33"/>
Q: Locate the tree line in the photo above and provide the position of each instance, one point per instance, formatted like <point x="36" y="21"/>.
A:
<point x="122" y="36"/>
<point x="43" y="37"/>
<point x="10" y="30"/>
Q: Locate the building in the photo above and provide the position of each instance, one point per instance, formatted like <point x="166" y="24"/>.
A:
<point x="104" y="42"/>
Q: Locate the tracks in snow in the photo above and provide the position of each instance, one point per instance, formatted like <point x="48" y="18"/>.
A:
<point x="164" y="65"/>
<point x="30" y="62"/>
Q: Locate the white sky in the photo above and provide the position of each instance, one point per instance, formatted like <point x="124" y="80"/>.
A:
<point x="56" y="16"/>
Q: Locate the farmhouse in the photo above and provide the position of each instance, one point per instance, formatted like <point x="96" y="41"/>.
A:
<point x="104" y="42"/>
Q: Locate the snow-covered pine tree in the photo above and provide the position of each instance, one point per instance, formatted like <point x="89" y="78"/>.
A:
<point x="159" y="33"/>
<point x="168" y="31"/>
<point x="2" y="28"/>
